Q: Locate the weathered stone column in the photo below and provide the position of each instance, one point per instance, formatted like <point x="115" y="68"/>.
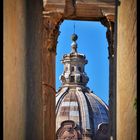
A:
<point x="127" y="70"/>
<point x="108" y="21"/>
<point x="14" y="97"/>
<point x="22" y="70"/>
<point x="52" y="20"/>
<point x="34" y="42"/>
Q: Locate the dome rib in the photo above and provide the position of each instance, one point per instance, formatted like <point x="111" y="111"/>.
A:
<point x="59" y="96"/>
<point x="100" y="110"/>
<point x="84" y="109"/>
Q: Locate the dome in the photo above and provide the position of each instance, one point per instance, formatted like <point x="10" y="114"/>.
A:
<point x="82" y="107"/>
<point x="80" y="114"/>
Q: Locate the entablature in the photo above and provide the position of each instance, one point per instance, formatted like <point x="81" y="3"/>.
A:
<point x="82" y="9"/>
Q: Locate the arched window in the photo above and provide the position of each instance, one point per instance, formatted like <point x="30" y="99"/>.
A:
<point x="81" y="79"/>
<point x="72" y="68"/>
<point x="79" y="68"/>
<point x="72" y="79"/>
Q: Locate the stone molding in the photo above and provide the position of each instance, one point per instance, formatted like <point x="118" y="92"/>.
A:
<point x="82" y="10"/>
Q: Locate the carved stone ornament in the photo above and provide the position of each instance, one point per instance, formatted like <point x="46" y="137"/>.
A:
<point x="52" y="20"/>
<point x="108" y="22"/>
<point x="68" y="131"/>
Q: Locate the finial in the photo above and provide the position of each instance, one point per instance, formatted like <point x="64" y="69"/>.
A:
<point x="74" y="37"/>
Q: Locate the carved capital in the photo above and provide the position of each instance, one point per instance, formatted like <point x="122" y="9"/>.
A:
<point x="109" y="23"/>
<point x="52" y="20"/>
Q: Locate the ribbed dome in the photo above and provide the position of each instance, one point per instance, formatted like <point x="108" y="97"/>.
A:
<point x="80" y="114"/>
<point x="81" y="106"/>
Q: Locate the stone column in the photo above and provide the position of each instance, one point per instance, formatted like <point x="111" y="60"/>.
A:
<point x="34" y="42"/>
<point x="127" y="70"/>
<point x="14" y="89"/>
<point x="52" y="19"/>
<point x="22" y="70"/>
<point x="108" y="21"/>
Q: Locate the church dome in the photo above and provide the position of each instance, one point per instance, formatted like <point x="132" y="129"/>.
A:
<point x="80" y="113"/>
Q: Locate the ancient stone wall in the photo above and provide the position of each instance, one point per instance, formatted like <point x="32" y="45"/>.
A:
<point x="126" y="70"/>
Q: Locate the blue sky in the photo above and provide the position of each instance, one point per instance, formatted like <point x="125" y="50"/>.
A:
<point x="93" y="43"/>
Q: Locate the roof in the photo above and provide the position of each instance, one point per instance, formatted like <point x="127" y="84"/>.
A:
<point x="81" y="106"/>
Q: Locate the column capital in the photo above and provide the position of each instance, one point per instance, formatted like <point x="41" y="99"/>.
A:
<point x="108" y="21"/>
<point x="52" y="20"/>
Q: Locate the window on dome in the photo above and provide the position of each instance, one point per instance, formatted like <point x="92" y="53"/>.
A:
<point x="79" y="68"/>
<point x="81" y="79"/>
<point x="72" y="68"/>
<point x="72" y="79"/>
